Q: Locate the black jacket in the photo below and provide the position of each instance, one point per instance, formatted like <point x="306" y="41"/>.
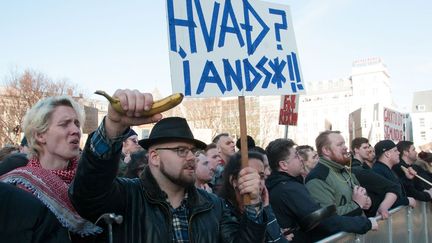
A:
<point x="376" y="185"/>
<point x="25" y="219"/>
<point x="383" y="170"/>
<point x="409" y="185"/>
<point x="418" y="183"/>
<point x="147" y="217"/>
<point x="13" y="161"/>
<point x="291" y="202"/>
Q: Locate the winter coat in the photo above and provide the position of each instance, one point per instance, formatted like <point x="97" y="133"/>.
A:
<point x="331" y="183"/>
<point x="146" y="213"/>
<point x="376" y="185"/>
<point x="25" y="219"/>
<point x="291" y="202"/>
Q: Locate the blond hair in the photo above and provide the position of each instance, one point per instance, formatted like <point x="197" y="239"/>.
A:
<point x="38" y="118"/>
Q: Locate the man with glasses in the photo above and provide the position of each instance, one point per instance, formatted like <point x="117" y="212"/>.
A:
<point x="163" y="205"/>
<point x="388" y="156"/>
<point x="291" y="202"/>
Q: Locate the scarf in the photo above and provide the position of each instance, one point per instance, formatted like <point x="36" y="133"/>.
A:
<point x="66" y="175"/>
<point x="51" y="188"/>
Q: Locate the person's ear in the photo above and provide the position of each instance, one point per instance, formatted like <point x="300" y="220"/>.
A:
<point x="283" y="165"/>
<point x="153" y="158"/>
<point x="326" y="150"/>
<point x="233" y="181"/>
<point x="40" y="138"/>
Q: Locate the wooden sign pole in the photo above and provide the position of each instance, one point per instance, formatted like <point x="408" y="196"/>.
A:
<point x="243" y="139"/>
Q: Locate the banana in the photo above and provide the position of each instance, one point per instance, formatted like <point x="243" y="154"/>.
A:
<point x="157" y="107"/>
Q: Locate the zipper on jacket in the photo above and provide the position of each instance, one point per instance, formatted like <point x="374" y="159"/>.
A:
<point x="190" y="221"/>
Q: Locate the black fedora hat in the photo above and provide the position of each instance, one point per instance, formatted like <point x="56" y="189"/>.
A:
<point x="169" y="129"/>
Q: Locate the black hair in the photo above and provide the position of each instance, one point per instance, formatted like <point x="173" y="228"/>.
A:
<point x="232" y="169"/>
<point x="357" y="142"/>
<point x="258" y="149"/>
<point x="249" y="141"/>
<point x="278" y="150"/>
<point x="403" y="146"/>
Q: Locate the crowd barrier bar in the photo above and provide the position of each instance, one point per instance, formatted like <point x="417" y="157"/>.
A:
<point x="405" y="225"/>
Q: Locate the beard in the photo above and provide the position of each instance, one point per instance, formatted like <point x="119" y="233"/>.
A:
<point x="340" y="158"/>
<point x="181" y="179"/>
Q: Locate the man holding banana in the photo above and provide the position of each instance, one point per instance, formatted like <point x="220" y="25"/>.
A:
<point x="163" y="205"/>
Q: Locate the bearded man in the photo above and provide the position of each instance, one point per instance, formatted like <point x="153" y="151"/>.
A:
<point x="330" y="182"/>
<point x="163" y="205"/>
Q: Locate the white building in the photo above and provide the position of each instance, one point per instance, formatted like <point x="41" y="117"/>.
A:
<point x="422" y="117"/>
<point x="327" y="104"/>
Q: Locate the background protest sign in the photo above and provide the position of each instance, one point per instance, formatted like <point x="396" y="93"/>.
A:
<point x="232" y="48"/>
<point x="288" y="113"/>
<point x="394" y="125"/>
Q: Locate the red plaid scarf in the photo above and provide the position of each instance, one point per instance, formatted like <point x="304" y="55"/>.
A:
<point x="51" y="187"/>
<point x="66" y="175"/>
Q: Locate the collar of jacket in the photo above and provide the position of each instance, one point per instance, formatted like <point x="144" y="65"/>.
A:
<point x="154" y="193"/>
<point x="355" y="162"/>
<point x="332" y="165"/>
<point x="403" y="163"/>
<point x="287" y="177"/>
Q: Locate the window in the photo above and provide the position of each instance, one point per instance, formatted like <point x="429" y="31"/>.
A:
<point x="420" y="107"/>
<point x="422" y="122"/>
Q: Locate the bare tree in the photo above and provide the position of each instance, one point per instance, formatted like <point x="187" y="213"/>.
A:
<point x="19" y="92"/>
<point x="201" y="113"/>
<point x="219" y="115"/>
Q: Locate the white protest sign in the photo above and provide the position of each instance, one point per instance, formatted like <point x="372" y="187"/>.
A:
<point x="393" y="125"/>
<point x="232" y="48"/>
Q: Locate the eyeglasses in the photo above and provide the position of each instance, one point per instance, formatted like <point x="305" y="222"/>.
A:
<point x="182" y="151"/>
<point x="296" y="156"/>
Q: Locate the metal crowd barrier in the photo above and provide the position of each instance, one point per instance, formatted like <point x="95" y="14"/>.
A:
<point x="405" y="225"/>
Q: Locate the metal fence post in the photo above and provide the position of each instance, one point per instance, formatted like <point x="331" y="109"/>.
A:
<point x="410" y="224"/>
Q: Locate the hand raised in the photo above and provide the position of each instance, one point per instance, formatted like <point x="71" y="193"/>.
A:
<point x="133" y="103"/>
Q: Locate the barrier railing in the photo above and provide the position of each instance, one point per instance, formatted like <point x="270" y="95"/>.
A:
<point x="405" y="224"/>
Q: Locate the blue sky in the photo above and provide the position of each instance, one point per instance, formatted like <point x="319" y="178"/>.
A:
<point x="116" y="44"/>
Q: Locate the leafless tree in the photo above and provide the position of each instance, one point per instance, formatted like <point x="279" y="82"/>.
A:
<point x="20" y="91"/>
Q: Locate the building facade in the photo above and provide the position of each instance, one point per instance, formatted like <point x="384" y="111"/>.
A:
<point x="421" y="115"/>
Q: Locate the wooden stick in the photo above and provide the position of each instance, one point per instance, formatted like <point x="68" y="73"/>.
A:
<point x="243" y="139"/>
<point x="421" y="178"/>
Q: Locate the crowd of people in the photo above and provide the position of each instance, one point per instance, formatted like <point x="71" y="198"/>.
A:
<point x="171" y="187"/>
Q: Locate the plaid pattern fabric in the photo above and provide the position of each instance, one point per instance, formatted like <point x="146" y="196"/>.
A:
<point x="254" y="212"/>
<point x="180" y="221"/>
<point x="104" y="147"/>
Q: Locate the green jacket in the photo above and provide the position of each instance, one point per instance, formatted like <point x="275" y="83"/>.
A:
<point x="331" y="183"/>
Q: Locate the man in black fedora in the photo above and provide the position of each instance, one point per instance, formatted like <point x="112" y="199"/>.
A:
<point x="163" y="205"/>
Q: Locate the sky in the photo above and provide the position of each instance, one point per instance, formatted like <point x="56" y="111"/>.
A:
<point x="123" y="44"/>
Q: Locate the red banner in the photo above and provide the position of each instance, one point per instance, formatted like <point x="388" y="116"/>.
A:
<point x="288" y="113"/>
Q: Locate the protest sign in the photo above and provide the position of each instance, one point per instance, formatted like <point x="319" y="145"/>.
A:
<point x="288" y="113"/>
<point x="393" y="125"/>
<point x="232" y="48"/>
